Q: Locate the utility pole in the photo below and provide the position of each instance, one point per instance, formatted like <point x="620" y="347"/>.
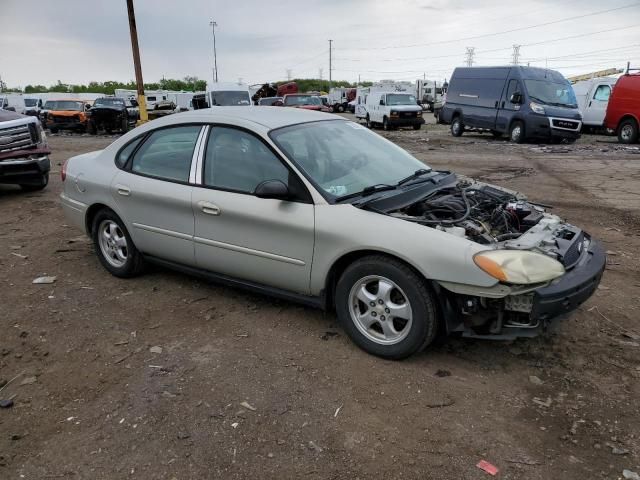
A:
<point x="330" y="67"/>
<point x="358" y="79"/>
<point x="288" y="74"/>
<point x="471" y="51"/>
<point x="515" y="57"/>
<point x="213" y="26"/>
<point x="142" y="104"/>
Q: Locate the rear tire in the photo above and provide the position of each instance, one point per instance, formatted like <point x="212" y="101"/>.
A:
<point x="385" y="124"/>
<point x="114" y="247"/>
<point x="457" y="127"/>
<point x="368" y="122"/>
<point x="92" y="128"/>
<point x="340" y="108"/>
<point x="125" y="125"/>
<point x="53" y="129"/>
<point x="628" y="132"/>
<point x="405" y="292"/>
<point x="44" y="181"/>
<point x="516" y="132"/>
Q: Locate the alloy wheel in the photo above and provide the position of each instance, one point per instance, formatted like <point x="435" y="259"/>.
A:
<point x="113" y="243"/>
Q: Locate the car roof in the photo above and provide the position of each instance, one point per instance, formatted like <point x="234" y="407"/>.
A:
<point x="269" y="117"/>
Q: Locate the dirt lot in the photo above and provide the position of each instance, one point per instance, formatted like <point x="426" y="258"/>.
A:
<point x="93" y="402"/>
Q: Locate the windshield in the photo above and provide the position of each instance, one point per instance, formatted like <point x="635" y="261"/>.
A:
<point x="230" y="98"/>
<point x="549" y="93"/>
<point x="64" y="105"/>
<point x="401" y="99"/>
<point x="118" y="102"/>
<point x="344" y="157"/>
<point x="30" y="102"/>
<point x="301" y="100"/>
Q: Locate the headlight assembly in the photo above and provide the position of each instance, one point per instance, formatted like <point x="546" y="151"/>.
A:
<point x="536" y="108"/>
<point x="520" y="267"/>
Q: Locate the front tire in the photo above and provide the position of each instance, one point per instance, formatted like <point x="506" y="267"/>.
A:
<point x="114" y="246"/>
<point x="457" y="128"/>
<point x="385" y="124"/>
<point x="516" y="132"/>
<point x="628" y="132"/>
<point x="385" y="307"/>
<point x="368" y="121"/>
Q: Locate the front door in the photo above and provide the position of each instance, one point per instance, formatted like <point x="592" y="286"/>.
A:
<point x="596" y="107"/>
<point x="506" y="109"/>
<point x="153" y="193"/>
<point x="259" y="240"/>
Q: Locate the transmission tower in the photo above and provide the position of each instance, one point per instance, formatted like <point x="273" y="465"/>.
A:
<point x="471" y="51"/>
<point x="515" y="57"/>
<point x="288" y="74"/>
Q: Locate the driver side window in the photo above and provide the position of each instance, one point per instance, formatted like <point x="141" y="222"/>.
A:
<point x="237" y="160"/>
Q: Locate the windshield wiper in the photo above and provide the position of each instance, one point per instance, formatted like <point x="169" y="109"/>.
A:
<point x="417" y="174"/>
<point x="371" y="189"/>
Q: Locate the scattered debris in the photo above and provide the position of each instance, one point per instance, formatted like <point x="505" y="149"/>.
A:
<point x="543" y="403"/>
<point x="168" y="394"/>
<point x="24" y="257"/>
<point x="122" y="342"/>
<point x="328" y="334"/>
<point x="6" y="384"/>
<point x="270" y="455"/>
<point x="123" y="358"/>
<point x="235" y="424"/>
<point x="487" y="467"/>
<point x="443" y="373"/>
<point x="155" y="349"/>
<point x="524" y="461"/>
<point x="6" y="403"/>
<point x="616" y="450"/>
<point x="335" y="415"/>
<point x="535" y="380"/>
<point x="447" y="402"/>
<point x="44" y="280"/>
<point x="629" y="475"/>
<point x="313" y="446"/>
<point x="28" y="380"/>
<point x="574" y="428"/>
<point x="248" y="406"/>
<point x="183" y="435"/>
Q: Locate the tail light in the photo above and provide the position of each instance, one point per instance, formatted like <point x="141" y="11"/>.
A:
<point x="63" y="171"/>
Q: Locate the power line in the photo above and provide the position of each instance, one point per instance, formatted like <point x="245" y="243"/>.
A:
<point x="575" y="17"/>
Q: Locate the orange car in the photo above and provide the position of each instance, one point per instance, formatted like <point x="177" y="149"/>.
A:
<point x="66" y="114"/>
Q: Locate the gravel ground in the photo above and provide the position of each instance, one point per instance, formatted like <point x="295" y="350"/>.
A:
<point x="167" y="377"/>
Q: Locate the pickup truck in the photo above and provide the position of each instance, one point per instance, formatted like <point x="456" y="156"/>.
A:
<point x="24" y="153"/>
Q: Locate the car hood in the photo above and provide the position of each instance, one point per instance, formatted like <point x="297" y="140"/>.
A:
<point x="405" y="108"/>
<point x="64" y="113"/>
<point x="6" y="115"/>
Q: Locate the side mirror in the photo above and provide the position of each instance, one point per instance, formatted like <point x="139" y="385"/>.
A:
<point x="134" y="103"/>
<point x="87" y="106"/>
<point x="381" y="102"/>
<point x="516" y="98"/>
<point x="272" y="189"/>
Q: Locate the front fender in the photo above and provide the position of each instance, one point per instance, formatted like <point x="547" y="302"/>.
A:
<point x="437" y="255"/>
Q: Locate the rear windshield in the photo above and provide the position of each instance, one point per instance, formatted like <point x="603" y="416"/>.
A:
<point x="118" y="102"/>
<point x="64" y="105"/>
<point x="301" y="100"/>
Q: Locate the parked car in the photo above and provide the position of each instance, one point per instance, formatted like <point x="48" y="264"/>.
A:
<point x="592" y="97"/>
<point x="623" y="110"/>
<point x="32" y="106"/>
<point x="522" y="102"/>
<point x="24" y="153"/>
<point x="13" y="102"/>
<point x="66" y="115"/>
<point x="311" y="207"/>
<point x="306" y="102"/>
<point x="112" y="113"/>
<point x="393" y="110"/>
<point x="270" y="101"/>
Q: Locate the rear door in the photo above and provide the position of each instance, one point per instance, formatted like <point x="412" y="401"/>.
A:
<point x="506" y="109"/>
<point x="153" y="192"/>
<point x="265" y="241"/>
<point x="596" y="106"/>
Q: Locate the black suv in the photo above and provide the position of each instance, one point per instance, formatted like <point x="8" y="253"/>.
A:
<point x="112" y="113"/>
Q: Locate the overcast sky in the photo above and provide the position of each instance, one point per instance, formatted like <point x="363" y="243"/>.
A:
<point x="77" y="41"/>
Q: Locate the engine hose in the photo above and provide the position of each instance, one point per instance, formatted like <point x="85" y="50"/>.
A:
<point x="456" y="220"/>
<point x="507" y="236"/>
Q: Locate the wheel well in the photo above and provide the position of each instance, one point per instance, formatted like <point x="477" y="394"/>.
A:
<point x="627" y="117"/>
<point x="341" y="264"/>
<point x="514" y="120"/>
<point x="91" y="214"/>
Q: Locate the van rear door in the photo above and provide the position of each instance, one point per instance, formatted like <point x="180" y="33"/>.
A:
<point x="596" y="105"/>
<point x="507" y="109"/>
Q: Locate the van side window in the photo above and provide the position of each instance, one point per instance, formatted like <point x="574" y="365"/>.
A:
<point x="512" y="88"/>
<point x="602" y="93"/>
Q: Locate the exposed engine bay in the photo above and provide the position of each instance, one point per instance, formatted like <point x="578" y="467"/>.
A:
<point x="494" y="216"/>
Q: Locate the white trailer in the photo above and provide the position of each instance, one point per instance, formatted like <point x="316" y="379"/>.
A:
<point x="428" y="93"/>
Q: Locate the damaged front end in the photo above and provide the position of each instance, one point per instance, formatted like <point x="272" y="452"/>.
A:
<point x="544" y="267"/>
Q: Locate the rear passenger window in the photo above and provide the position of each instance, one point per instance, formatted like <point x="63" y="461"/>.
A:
<point x="125" y="153"/>
<point x="166" y="153"/>
<point x="602" y="93"/>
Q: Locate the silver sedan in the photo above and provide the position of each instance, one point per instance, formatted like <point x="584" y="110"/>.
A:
<point x="320" y="210"/>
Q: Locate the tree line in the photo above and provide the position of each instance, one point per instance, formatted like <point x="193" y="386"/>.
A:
<point x="188" y="84"/>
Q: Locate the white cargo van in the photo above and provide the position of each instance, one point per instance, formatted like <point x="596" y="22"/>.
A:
<point x="393" y="109"/>
<point x="379" y="87"/>
<point x="593" y="98"/>
<point x="227" y="94"/>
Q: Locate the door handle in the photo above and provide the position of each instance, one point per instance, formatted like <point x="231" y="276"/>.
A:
<point x="123" y="190"/>
<point x="496" y="104"/>
<point x="209" y="208"/>
<point x="502" y="104"/>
